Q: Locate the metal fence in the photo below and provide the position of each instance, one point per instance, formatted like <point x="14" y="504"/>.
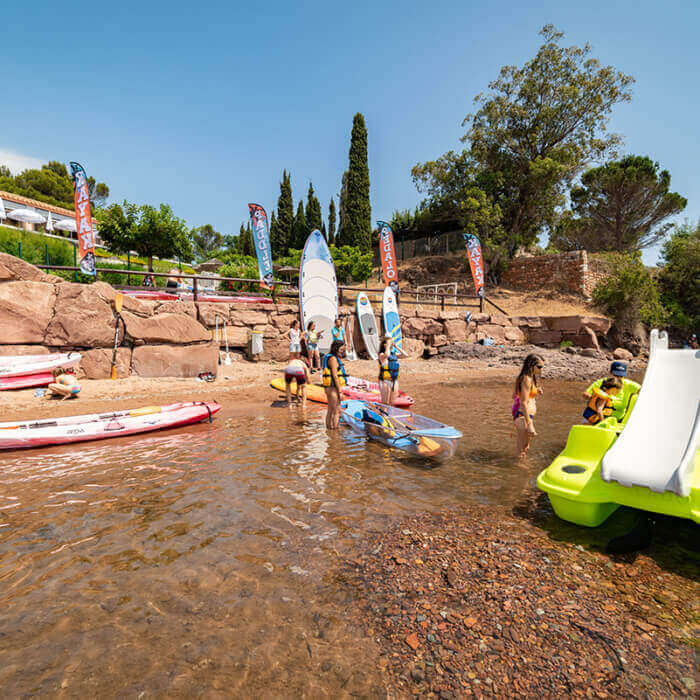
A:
<point x="439" y="244"/>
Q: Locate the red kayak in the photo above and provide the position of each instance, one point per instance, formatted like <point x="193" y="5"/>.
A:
<point x="363" y="390"/>
<point x="60" y="431"/>
<point x="26" y="381"/>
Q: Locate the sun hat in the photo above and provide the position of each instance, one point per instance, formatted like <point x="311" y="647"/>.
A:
<point x="619" y="369"/>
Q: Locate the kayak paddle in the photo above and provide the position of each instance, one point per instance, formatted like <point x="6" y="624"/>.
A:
<point x="118" y="301"/>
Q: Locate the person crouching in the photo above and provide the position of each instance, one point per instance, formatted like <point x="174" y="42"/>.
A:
<point x="64" y="384"/>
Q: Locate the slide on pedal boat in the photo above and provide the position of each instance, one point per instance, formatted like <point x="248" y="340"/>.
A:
<point x="401" y="429"/>
<point x="19" y="365"/>
<point x="70" y="429"/>
<point x="26" y="381"/>
<point x="650" y="461"/>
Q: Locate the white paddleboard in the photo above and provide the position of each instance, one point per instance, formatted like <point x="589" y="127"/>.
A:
<point x="20" y="365"/>
<point x="318" y="288"/>
<point x="368" y="325"/>
<point x="390" y="316"/>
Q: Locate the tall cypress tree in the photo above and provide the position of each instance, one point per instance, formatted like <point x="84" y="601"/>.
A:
<point x="314" y="219"/>
<point x="274" y="237"/>
<point x="299" y="230"/>
<point x="342" y="237"/>
<point x="358" y="217"/>
<point x="245" y="244"/>
<point x="331" y="222"/>
<point x="285" y="216"/>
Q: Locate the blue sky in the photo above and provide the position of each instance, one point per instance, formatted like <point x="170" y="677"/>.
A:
<point x="201" y="105"/>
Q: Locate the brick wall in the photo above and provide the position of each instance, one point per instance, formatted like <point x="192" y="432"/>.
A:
<point x="566" y="272"/>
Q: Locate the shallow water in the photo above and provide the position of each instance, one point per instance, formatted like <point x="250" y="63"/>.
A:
<point x="198" y="561"/>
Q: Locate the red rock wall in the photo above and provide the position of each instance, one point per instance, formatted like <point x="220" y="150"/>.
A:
<point x="565" y="272"/>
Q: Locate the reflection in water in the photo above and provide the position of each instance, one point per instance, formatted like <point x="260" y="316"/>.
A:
<point x="195" y="559"/>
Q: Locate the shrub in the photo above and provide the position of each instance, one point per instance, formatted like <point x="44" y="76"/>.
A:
<point x="630" y="294"/>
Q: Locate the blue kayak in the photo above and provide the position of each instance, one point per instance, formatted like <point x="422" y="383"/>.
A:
<point x="399" y="428"/>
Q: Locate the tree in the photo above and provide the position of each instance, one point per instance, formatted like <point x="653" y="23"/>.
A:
<point x="274" y="234"/>
<point x="148" y="230"/>
<point x="331" y="222"/>
<point x="314" y="218"/>
<point x="620" y="206"/>
<point x="342" y="237"/>
<point x="244" y="241"/>
<point x="357" y="225"/>
<point x="300" y="230"/>
<point x="285" y="218"/>
<point x="206" y="241"/>
<point x="679" y="277"/>
<point x="531" y="136"/>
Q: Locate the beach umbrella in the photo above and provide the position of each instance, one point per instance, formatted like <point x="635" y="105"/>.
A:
<point x="3" y="215"/>
<point x="29" y="216"/>
<point x="66" y="225"/>
<point x="49" y="223"/>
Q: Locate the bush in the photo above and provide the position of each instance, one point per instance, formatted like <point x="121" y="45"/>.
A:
<point x="679" y="278"/>
<point x="351" y="263"/>
<point x="630" y="294"/>
<point x="243" y="266"/>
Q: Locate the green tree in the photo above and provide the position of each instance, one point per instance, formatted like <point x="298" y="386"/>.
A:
<point x="314" y="218"/>
<point x="629" y="294"/>
<point x="620" y="206"/>
<point x="679" y="277"/>
<point x="331" y="222"/>
<point x="148" y="230"/>
<point x="351" y="263"/>
<point x="357" y="224"/>
<point x="274" y="235"/>
<point x="300" y="230"/>
<point x="342" y="238"/>
<point x="244" y="242"/>
<point x="206" y="241"/>
<point x="285" y="218"/>
<point x="532" y="135"/>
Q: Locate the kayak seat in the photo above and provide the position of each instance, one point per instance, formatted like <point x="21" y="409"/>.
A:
<point x="147" y="410"/>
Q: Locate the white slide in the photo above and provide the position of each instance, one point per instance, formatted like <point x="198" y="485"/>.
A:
<point x="658" y="445"/>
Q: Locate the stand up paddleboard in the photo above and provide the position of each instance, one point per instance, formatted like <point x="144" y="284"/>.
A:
<point x="318" y="289"/>
<point x="390" y="315"/>
<point x="368" y="325"/>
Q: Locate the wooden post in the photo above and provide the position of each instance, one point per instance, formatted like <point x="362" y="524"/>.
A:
<point x="442" y="302"/>
<point x="481" y="305"/>
<point x="340" y="296"/>
<point x="128" y="267"/>
<point x="194" y="288"/>
<point x="47" y="254"/>
<point x="75" y="262"/>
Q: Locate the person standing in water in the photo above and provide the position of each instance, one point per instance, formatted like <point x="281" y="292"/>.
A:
<point x="524" y="406"/>
<point x="334" y="379"/>
<point x="296" y="371"/>
<point x="388" y="361"/>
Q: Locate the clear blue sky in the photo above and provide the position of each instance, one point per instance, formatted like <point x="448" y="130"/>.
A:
<point x="202" y="104"/>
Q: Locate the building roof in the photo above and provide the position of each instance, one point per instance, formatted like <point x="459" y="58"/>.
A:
<point x="27" y="201"/>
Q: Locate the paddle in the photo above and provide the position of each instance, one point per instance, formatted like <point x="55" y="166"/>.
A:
<point x="118" y="301"/>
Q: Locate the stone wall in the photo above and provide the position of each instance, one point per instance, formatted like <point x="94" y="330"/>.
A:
<point x="565" y="272"/>
<point x="40" y="313"/>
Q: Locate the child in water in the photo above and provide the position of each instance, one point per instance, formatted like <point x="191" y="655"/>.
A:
<point x="600" y="405"/>
<point x="524" y="405"/>
<point x="64" y="383"/>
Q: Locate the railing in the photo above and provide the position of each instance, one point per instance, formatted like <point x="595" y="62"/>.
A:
<point x="284" y="290"/>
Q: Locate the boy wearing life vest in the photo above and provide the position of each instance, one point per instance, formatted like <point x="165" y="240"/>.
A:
<point x="622" y="398"/>
<point x="600" y="405"/>
<point x="334" y="378"/>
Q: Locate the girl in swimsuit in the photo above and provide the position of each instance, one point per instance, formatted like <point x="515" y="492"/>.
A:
<point x="333" y="379"/>
<point x="524" y="405"/>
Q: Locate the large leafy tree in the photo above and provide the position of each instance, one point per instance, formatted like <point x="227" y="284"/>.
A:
<point x="680" y="276"/>
<point x="314" y="218"/>
<point x="285" y="218"/>
<point x="357" y="223"/>
<point x="620" y="206"/>
<point x="300" y="230"/>
<point x="533" y="133"/>
<point x="331" y="221"/>
<point x="51" y="184"/>
<point x="206" y="241"/>
<point x="148" y="230"/>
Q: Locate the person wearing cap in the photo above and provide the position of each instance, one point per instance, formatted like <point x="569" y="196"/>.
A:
<point x="622" y="399"/>
<point x="693" y="342"/>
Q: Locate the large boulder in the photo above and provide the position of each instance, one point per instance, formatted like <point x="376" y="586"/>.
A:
<point x="247" y="317"/>
<point x="83" y="318"/>
<point x="97" y="363"/>
<point x="175" y="329"/>
<point x="237" y="336"/>
<point x="26" y="308"/>
<point x="413" y="347"/>
<point x="209" y="312"/>
<point x="416" y="327"/>
<point x="622" y="354"/>
<point x="537" y="336"/>
<point x="491" y="330"/>
<point x="174" y="360"/>
<point x="456" y="330"/>
<point x="514" y="335"/>
<point x="177" y="307"/>
<point x="12" y="268"/>
<point x="276" y="349"/>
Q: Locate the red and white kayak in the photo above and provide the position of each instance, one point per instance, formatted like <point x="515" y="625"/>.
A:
<point x="17" y="365"/>
<point x="26" y="381"/>
<point x="361" y="389"/>
<point x="60" y="431"/>
<point x="150" y="294"/>
<point x="221" y="299"/>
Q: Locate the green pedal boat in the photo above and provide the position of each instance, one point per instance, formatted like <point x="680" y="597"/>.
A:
<point x="648" y="460"/>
